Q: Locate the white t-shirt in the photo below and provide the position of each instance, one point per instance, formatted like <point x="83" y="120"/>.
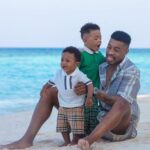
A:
<point x="65" y="85"/>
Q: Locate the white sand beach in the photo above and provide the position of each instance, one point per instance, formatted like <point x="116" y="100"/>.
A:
<point x="13" y="126"/>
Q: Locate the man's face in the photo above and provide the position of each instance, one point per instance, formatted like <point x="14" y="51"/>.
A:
<point x="92" y="40"/>
<point x="116" y="51"/>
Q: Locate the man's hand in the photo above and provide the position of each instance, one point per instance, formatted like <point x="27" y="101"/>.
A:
<point x="80" y="88"/>
<point x="100" y="95"/>
<point x="44" y="89"/>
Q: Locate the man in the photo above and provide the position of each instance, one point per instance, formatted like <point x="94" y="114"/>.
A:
<point x="120" y="83"/>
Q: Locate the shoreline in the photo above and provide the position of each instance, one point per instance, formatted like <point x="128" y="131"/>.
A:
<point x="13" y="126"/>
<point x="143" y="96"/>
<point x="139" y="97"/>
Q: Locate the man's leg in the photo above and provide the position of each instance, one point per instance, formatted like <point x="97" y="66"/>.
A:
<point x="117" y="120"/>
<point x="40" y="115"/>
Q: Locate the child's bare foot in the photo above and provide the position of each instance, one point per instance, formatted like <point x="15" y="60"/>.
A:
<point x="75" y="139"/>
<point x="73" y="142"/>
<point x="84" y="144"/>
<point x="16" y="145"/>
<point x="65" y="144"/>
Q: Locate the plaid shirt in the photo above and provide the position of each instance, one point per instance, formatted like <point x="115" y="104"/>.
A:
<point x="125" y="82"/>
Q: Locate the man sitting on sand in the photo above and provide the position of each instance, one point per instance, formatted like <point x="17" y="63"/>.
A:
<point x="120" y="83"/>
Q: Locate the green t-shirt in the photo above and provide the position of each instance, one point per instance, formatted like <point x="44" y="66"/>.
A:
<point x="90" y="65"/>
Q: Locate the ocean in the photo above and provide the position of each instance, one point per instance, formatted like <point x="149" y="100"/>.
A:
<point x="23" y="72"/>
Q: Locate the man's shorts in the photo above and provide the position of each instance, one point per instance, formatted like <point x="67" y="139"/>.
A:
<point x="131" y="132"/>
<point x="70" y="120"/>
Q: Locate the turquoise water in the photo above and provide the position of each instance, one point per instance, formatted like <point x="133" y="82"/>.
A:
<point x="23" y="72"/>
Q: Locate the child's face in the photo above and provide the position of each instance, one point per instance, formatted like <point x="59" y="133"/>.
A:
<point x="68" y="62"/>
<point x="92" y="40"/>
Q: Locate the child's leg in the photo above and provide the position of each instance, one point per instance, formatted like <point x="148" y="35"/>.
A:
<point x="77" y="124"/>
<point x="90" y="117"/>
<point x="66" y="138"/>
<point x="75" y="139"/>
<point x="63" y="126"/>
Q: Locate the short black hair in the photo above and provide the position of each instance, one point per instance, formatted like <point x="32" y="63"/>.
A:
<point x="122" y="37"/>
<point x="86" y="28"/>
<point x="75" y="51"/>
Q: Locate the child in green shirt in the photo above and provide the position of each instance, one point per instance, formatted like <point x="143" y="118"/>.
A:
<point x="91" y="58"/>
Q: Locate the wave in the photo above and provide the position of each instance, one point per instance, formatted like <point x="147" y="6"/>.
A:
<point x="19" y="105"/>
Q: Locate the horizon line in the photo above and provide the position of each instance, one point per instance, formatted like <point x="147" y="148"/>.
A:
<point x="17" y="47"/>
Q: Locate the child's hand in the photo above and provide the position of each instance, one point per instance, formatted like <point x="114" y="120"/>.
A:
<point x="89" y="102"/>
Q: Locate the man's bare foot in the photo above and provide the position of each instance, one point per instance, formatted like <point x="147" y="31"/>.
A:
<point x="84" y="144"/>
<point x="16" y="145"/>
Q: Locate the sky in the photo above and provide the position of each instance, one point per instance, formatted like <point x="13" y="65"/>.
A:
<point x="57" y="23"/>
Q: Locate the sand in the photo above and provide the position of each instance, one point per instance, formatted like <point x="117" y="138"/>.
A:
<point x="13" y="126"/>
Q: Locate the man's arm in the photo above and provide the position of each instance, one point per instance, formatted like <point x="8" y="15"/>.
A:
<point x="110" y="100"/>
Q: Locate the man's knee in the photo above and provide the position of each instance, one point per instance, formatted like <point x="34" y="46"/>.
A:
<point x="50" y="97"/>
<point x="123" y="107"/>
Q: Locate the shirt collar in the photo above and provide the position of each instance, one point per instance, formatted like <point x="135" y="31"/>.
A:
<point x="89" y="50"/>
<point x="103" y="71"/>
<point x="124" y="61"/>
<point x="120" y="65"/>
<point x="72" y="74"/>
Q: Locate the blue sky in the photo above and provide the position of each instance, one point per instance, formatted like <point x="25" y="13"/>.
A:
<point x="56" y="23"/>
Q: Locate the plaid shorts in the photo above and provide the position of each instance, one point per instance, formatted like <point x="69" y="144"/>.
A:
<point x="70" y="120"/>
<point x="90" y="117"/>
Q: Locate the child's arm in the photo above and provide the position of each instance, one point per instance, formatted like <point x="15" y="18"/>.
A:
<point x="89" y="99"/>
